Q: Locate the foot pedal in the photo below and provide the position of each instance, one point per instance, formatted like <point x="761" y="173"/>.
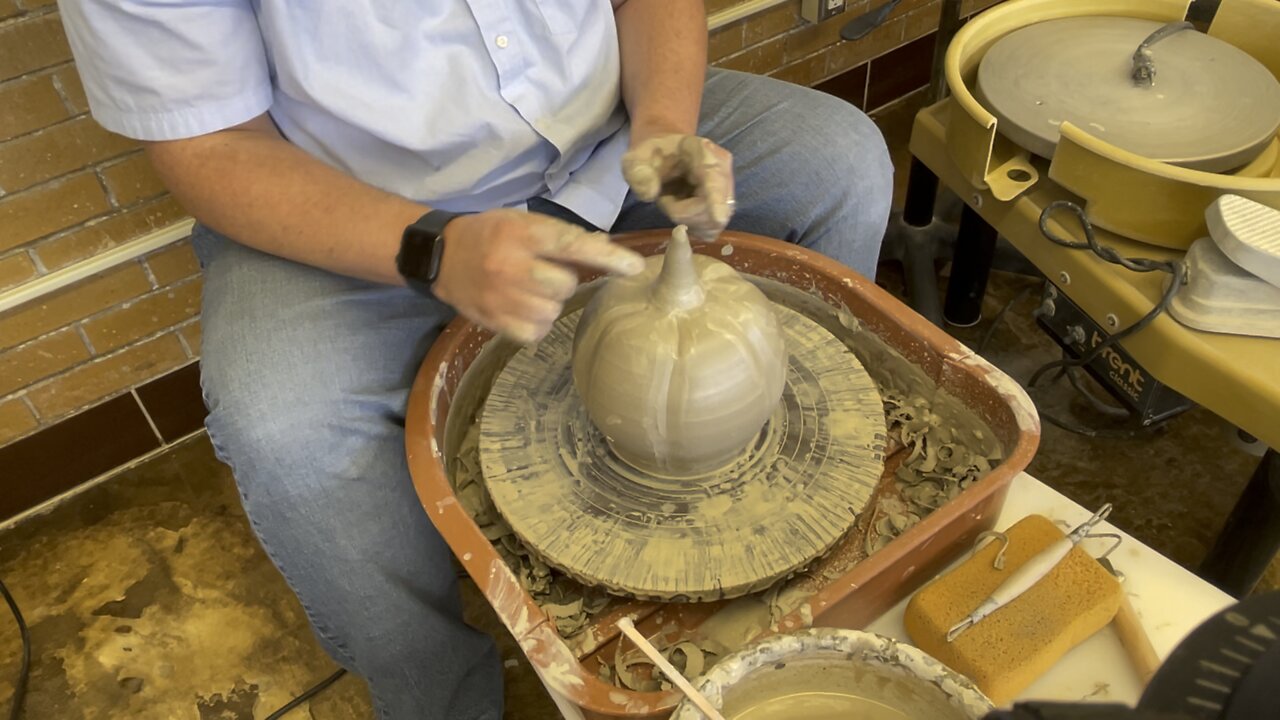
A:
<point x="1249" y="233"/>
<point x="1222" y="297"/>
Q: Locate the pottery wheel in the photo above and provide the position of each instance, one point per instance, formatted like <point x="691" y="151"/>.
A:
<point x="1211" y="106"/>
<point x="795" y="491"/>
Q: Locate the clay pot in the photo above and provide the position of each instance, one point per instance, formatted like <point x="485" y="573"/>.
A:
<point x="827" y="673"/>
<point x="680" y="366"/>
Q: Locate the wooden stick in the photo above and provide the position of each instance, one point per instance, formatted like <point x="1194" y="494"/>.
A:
<point x="629" y="629"/>
<point x="1135" y="641"/>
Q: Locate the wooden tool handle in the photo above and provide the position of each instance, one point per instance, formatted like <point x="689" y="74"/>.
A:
<point x="1135" y="641"/>
<point x="628" y="628"/>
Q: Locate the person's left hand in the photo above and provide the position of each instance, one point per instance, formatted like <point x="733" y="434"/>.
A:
<point x="690" y="177"/>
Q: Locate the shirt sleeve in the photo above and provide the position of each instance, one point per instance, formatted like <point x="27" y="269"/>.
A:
<point x="169" y="69"/>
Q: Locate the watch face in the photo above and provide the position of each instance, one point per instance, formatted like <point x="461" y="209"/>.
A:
<point x="434" y="255"/>
<point x="422" y="249"/>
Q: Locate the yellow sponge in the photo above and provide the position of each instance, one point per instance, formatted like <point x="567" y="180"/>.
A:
<point x="1009" y="649"/>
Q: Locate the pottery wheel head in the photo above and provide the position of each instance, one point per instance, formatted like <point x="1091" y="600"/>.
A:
<point x="681" y="365"/>
<point x="1210" y="106"/>
<point x="795" y="490"/>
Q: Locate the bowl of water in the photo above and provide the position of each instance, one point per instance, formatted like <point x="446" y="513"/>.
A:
<point x="833" y="674"/>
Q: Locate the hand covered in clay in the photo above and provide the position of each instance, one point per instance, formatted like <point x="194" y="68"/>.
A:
<point x="690" y="177"/>
<point x="511" y="271"/>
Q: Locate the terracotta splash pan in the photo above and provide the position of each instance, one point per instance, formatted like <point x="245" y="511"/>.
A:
<point x="844" y="589"/>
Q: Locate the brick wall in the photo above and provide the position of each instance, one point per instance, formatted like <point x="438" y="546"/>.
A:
<point x="68" y="191"/>
<point x="779" y="43"/>
<point x="113" y="356"/>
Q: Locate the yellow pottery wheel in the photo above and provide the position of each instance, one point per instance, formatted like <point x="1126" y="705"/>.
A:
<point x="1210" y="106"/>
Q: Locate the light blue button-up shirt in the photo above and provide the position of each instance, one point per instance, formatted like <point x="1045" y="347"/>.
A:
<point x="462" y="104"/>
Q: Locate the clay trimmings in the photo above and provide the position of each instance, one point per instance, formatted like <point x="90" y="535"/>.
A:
<point x="680" y="366"/>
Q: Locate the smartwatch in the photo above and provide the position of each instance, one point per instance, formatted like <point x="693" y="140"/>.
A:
<point x="422" y="249"/>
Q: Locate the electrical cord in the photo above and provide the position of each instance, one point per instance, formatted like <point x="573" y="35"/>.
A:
<point x="24" y="671"/>
<point x="1175" y="268"/>
<point x="1067" y="365"/>
<point x="315" y="690"/>
<point x="1094" y="401"/>
<point x="995" y="322"/>
<point x="1102" y="433"/>
<point x="1078" y="429"/>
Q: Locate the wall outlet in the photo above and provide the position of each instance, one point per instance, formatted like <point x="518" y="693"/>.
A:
<point x="815" y="11"/>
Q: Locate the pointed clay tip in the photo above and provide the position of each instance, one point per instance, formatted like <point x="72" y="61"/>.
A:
<point x="679" y="246"/>
<point x="679" y="243"/>
<point x="677" y="284"/>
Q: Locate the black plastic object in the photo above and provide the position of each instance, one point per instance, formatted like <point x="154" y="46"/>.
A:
<point x="1226" y="669"/>
<point x="860" y="26"/>
<point x="1251" y="536"/>
<point x="970" y="269"/>
<point x="1076" y="711"/>
<point x="1200" y="13"/>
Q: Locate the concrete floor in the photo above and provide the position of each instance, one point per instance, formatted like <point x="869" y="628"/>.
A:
<point x="148" y="597"/>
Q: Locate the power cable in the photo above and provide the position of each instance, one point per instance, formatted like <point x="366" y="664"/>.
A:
<point x="304" y="697"/>
<point x="1175" y="268"/>
<point x="1068" y="365"/>
<point x="995" y="322"/>
<point x="24" y="670"/>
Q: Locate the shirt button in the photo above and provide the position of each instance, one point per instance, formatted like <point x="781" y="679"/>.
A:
<point x="501" y="41"/>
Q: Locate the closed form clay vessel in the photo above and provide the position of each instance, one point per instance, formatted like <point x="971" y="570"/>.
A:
<point x="681" y="365"/>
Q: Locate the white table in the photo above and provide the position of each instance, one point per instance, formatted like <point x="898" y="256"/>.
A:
<point x="1170" y="601"/>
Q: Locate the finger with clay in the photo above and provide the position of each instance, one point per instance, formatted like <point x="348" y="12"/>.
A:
<point x="512" y="271"/>
<point x="690" y="178"/>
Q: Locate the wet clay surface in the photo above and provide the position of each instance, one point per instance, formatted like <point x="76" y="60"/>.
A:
<point x="555" y="482"/>
<point x="680" y="366"/>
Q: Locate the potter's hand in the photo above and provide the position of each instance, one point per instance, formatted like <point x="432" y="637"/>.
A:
<point x="511" y="271"/>
<point x="690" y="177"/>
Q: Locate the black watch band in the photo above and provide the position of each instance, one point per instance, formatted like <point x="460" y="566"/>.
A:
<point x="422" y="250"/>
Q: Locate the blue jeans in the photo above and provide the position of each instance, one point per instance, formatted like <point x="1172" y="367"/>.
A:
<point x="306" y="375"/>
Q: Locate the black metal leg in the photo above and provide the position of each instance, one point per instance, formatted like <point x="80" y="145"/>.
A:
<point x="922" y="192"/>
<point x="916" y="239"/>
<point x="949" y="22"/>
<point x="919" y="256"/>
<point x="970" y="269"/>
<point x="1251" y="536"/>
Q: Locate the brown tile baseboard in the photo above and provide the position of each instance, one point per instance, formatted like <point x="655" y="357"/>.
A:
<point x="850" y="86"/>
<point x="899" y="72"/>
<point x="885" y="79"/>
<point x="99" y="439"/>
<point x="174" y="402"/>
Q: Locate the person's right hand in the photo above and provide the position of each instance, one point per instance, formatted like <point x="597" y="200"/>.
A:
<point x="511" y="271"/>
